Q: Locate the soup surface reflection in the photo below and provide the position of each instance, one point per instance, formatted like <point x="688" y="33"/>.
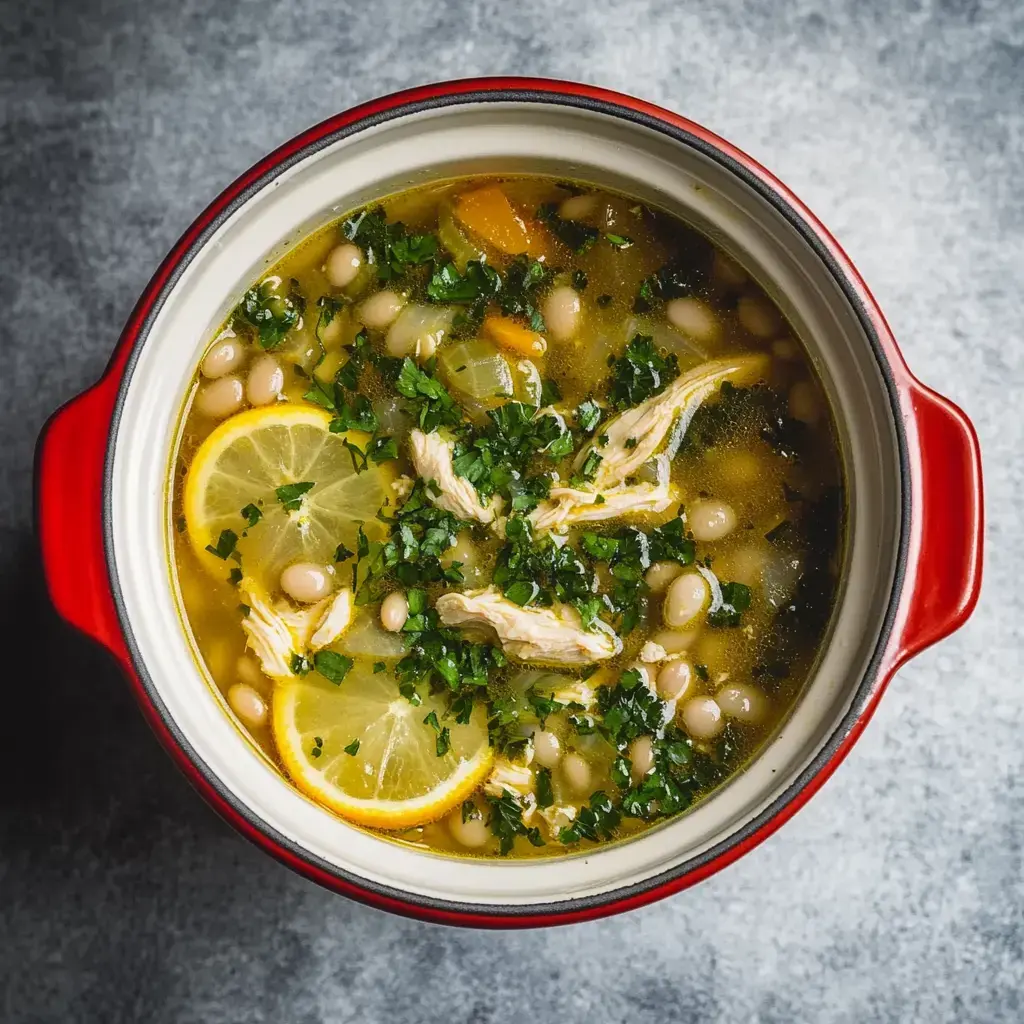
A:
<point x="509" y="513"/>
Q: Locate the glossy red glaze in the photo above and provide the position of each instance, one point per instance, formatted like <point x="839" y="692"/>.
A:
<point x="943" y="571"/>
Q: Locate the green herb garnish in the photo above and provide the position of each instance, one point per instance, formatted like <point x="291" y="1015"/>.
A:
<point x="290" y="495"/>
<point x="332" y="666"/>
<point x="225" y="544"/>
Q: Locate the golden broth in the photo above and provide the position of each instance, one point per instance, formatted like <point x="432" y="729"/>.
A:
<point x="766" y="453"/>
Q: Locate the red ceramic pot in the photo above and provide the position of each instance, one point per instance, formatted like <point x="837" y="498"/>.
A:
<point x="913" y="564"/>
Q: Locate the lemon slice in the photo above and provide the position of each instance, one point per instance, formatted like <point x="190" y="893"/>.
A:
<point x="252" y="454"/>
<point x="394" y="778"/>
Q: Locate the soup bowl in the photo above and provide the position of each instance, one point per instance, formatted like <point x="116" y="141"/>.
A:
<point x="912" y="559"/>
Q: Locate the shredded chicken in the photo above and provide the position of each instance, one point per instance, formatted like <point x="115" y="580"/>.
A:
<point x="556" y="817"/>
<point x="647" y="426"/>
<point x="277" y="630"/>
<point x="652" y="653"/>
<point x="432" y="457"/>
<point x="567" y="506"/>
<point x="553" y="636"/>
<point x="336" y="618"/>
<point x="516" y="778"/>
<point x="576" y="692"/>
<point x="402" y="486"/>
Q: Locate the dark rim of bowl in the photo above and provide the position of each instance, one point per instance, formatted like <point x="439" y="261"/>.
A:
<point x="689" y="871"/>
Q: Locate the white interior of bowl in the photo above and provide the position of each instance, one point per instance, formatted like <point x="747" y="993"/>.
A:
<point x="495" y="137"/>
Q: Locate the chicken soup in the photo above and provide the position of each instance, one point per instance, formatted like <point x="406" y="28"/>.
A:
<point x="508" y="516"/>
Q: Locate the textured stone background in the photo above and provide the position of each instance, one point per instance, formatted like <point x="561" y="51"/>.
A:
<point x="897" y="895"/>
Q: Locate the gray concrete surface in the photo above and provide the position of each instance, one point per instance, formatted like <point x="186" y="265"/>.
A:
<point x="897" y="895"/>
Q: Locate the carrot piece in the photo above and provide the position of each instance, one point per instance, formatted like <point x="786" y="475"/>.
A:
<point x="508" y="334"/>
<point x="487" y="212"/>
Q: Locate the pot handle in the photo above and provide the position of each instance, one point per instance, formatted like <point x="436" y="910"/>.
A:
<point x="70" y="464"/>
<point x="948" y="523"/>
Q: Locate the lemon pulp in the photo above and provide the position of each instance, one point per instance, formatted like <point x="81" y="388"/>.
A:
<point x="244" y="462"/>
<point x="366" y="752"/>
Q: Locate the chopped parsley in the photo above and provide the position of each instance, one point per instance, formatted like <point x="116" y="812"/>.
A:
<point x="539" y="571"/>
<point x="640" y="372"/>
<point x="545" y="796"/>
<point x="480" y="283"/>
<point x="251" y="514"/>
<point x="290" y="495"/>
<point x="342" y="553"/>
<point x="494" y="459"/>
<point x="618" y="241"/>
<point x="524" y="278"/>
<point x="420" y="534"/>
<point x="225" y="545"/>
<point x="431" y="403"/>
<point x="588" y="415"/>
<point x="629" y="709"/>
<point x="444" y="740"/>
<point x="353" y="748"/>
<point x="579" y="280"/>
<point x="578" y="237"/>
<point x="271" y="314"/>
<point x="550" y="393"/>
<point x="318" y="747"/>
<point x="735" y="601"/>
<point x="596" y="820"/>
<point x="507" y="822"/>
<point x="235" y="576"/>
<point x="388" y="247"/>
<point x="300" y="665"/>
<point x="332" y="666"/>
<point x="672" y="281"/>
<point x="588" y="471"/>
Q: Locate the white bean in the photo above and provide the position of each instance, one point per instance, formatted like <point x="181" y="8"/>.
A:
<point x="471" y="833"/>
<point x="675" y="679"/>
<point x="687" y="596"/>
<point x="381" y="309"/>
<point x="803" y="402"/>
<point x="741" y="469"/>
<point x="578" y="207"/>
<point x="727" y="272"/>
<point x="576" y="772"/>
<point x="785" y="348"/>
<point x="332" y="332"/>
<point x="221" y="397"/>
<point x="343" y="263"/>
<point x="693" y="318"/>
<point x="227" y="353"/>
<point x="710" y="520"/>
<point x="248" y="670"/>
<point x="758" y="316"/>
<point x="306" y="582"/>
<point x="561" y="308"/>
<point x="641" y="753"/>
<point x="676" y="641"/>
<point x="547" y="750"/>
<point x="661" y="574"/>
<point x="394" y="611"/>
<point x="265" y="381"/>
<point x="248" y="705"/>
<point x="744" y="565"/>
<point x="743" y="702"/>
<point x="702" y="718"/>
